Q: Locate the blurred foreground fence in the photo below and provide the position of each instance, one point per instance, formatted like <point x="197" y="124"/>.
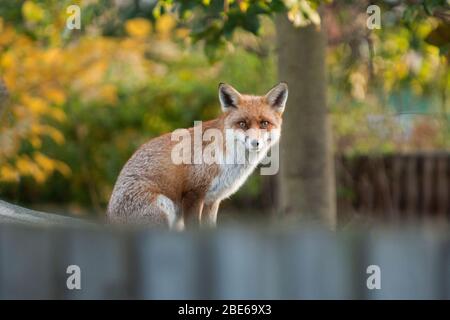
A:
<point x="395" y="186"/>
<point x="230" y="263"/>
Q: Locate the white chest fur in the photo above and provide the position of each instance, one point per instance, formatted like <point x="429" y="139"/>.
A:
<point x="230" y="179"/>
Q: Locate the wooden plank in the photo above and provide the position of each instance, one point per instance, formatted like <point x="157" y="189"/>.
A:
<point x="26" y="263"/>
<point x="383" y="191"/>
<point x="245" y="265"/>
<point x="318" y="264"/>
<point x="445" y="267"/>
<point x="411" y="187"/>
<point x="427" y="185"/>
<point x="169" y="266"/>
<point x="103" y="258"/>
<point x="228" y="263"/>
<point x="410" y="263"/>
<point x="397" y="174"/>
<point x="443" y="186"/>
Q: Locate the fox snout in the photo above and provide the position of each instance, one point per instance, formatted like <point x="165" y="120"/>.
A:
<point x="256" y="140"/>
<point x="254" y="143"/>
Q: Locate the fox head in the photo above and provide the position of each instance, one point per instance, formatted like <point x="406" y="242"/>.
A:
<point x="255" y="120"/>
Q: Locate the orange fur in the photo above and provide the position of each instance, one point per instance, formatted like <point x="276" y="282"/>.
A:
<point x="151" y="188"/>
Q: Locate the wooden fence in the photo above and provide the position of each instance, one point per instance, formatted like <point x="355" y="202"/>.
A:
<point x="395" y="186"/>
<point x="230" y="263"/>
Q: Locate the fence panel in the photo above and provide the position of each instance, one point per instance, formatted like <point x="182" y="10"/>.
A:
<point x="303" y="262"/>
<point x="26" y="263"/>
<point x="394" y="186"/>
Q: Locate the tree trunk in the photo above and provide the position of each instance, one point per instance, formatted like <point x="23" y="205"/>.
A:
<point x="306" y="177"/>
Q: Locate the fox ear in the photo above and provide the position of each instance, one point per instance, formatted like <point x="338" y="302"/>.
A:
<point x="229" y="97"/>
<point x="277" y="96"/>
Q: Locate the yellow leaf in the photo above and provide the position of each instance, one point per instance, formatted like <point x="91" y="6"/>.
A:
<point x="39" y="175"/>
<point x="44" y="162"/>
<point x="182" y="32"/>
<point x="138" y="27"/>
<point x="53" y="57"/>
<point x="35" y="104"/>
<point x="301" y="14"/>
<point x="108" y="93"/>
<point x="165" y="25"/>
<point x="57" y="114"/>
<point x="8" y="174"/>
<point x="53" y="133"/>
<point x="243" y="5"/>
<point x="36" y="142"/>
<point x="8" y="60"/>
<point x="7" y="35"/>
<point x="32" y="11"/>
<point x="55" y="95"/>
<point x="63" y="168"/>
<point x="93" y="76"/>
<point x="25" y="166"/>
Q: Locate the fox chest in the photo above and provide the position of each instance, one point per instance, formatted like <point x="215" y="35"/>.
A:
<point x="228" y="181"/>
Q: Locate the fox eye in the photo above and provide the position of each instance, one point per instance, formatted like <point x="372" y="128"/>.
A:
<point x="242" y="124"/>
<point x="264" y="124"/>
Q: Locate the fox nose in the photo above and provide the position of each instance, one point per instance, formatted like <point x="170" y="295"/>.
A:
<point x="255" y="143"/>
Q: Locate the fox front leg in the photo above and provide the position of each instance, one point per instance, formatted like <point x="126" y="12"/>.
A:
<point x="209" y="214"/>
<point x="192" y="208"/>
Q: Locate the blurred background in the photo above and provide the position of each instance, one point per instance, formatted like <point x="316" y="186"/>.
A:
<point x="373" y="131"/>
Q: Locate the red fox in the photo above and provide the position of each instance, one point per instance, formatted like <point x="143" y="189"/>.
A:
<point x="154" y="188"/>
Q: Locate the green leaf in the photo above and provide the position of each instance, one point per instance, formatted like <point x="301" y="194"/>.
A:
<point x="251" y="23"/>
